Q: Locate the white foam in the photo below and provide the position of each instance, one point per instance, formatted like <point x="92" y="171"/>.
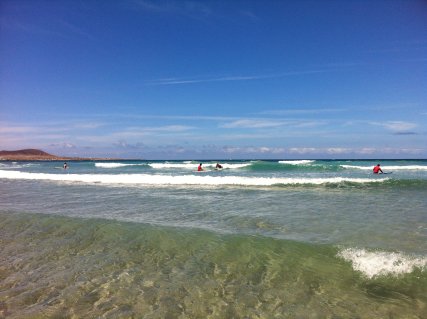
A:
<point x="115" y="165"/>
<point x="297" y="162"/>
<point x="193" y="166"/>
<point x="380" y="263"/>
<point x="186" y="165"/>
<point x="388" y="168"/>
<point x="357" y="167"/>
<point x="16" y="165"/>
<point x="234" y="166"/>
<point x="193" y="179"/>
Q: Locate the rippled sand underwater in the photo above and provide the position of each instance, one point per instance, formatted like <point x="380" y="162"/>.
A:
<point x="60" y="267"/>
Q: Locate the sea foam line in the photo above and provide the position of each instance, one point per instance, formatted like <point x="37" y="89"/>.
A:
<point x="297" y="162"/>
<point x="381" y="263"/>
<point x="116" y="165"/>
<point x="193" y="166"/>
<point x="394" y="168"/>
<point x="187" y="165"/>
<point x="148" y="179"/>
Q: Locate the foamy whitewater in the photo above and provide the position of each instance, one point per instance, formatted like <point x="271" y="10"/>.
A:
<point x="255" y="239"/>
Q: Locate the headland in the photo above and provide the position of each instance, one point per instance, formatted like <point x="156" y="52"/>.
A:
<point x="39" y="155"/>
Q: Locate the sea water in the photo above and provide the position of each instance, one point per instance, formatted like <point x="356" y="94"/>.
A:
<point x="257" y="239"/>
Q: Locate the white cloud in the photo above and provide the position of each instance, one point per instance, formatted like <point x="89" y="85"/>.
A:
<point x="367" y="150"/>
<point x="170" y="128"/>
<point x="302" y="150"/>
<point x="148" y="133"/>
<point x="87" y="125"/>
<point x="304" y="111"/>
<point x="248" y="123"/>
<point x="253" y="150"/>
<point x="396" y="126"/>
<point x="63" y="145"/>
<point x="337" y="150"/>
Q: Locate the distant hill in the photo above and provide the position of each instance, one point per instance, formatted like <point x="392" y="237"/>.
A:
<point x="27" y="154"/>
<point x="38" y="155"/>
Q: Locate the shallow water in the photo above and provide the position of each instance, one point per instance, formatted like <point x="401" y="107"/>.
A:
<point x="326" y="241"/>
<point x="54" y="266"/>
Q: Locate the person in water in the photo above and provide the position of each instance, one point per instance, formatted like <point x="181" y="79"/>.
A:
<point x="65" y="165"/>
<point x="377" y="169"/>
<point x="218" y="165"/>
<point x="200" y="167"/>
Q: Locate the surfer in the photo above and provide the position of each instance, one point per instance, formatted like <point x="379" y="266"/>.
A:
<point x="65" y="165"/>
<point x="200" y="167"/>
<point x="377" y="169"/>
<point x="218" y="166"/>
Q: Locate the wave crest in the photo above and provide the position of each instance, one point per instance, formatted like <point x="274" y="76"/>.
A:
<point x="115" y="165"/>
<point x="390" y="168"/>
<point x="193" y="166"/>
<point x="381" y="263"/>
<point x="297" y="162"/>
<point x="192" y="179"/>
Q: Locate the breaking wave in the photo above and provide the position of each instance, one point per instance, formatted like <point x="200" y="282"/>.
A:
<point x="389" y="168"/>
<point x="116" y="165"/>
<point x="297" y="162"/>
<point x="193" y="179"/>
<point x="193" y="166"/>
<point x="380" y="263"/>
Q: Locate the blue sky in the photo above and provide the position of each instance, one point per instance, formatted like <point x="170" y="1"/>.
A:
<point x="215" y="79"/>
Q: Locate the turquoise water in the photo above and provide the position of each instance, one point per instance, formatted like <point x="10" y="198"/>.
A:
<point x="258" y="239"/>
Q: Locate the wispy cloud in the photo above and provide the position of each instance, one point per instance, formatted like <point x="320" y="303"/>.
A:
<point x="59" y="28"/>
<point x="74" y="29"/>
<point x="253" y="150"/>
<point x="177" y="81"/>
<point x="252" y="123"/>
<point x="141" y="132"/>
<point x="87" y="125"/>
<point x="172" y="117"/>
<point x="396" y="126"/>
<point x="166" y="128"/>
<point x="59" y="135"/>
<point x="48" y="127"/>
<point x="302" y="111"/>
<point x="7" y="129"/>
<point x="64" y="145"/>
<point x="316" y="151"/>
<point x="193" y="9"/>
<point x="125" y="145"/>
<point x="250" y="14"/>
<point x="171" y="128"/>
<point x="249" y="123"/>
<point x="8" y="24"/>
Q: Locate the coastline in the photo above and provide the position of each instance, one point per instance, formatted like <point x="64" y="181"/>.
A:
<point x="52" y="159"/>
<point x="38" y="155"/>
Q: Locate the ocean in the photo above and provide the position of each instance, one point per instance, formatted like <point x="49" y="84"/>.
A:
<point x="256" y="239"/>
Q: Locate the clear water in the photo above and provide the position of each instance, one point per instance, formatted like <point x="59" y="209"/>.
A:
<point x="258" y="239"/>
